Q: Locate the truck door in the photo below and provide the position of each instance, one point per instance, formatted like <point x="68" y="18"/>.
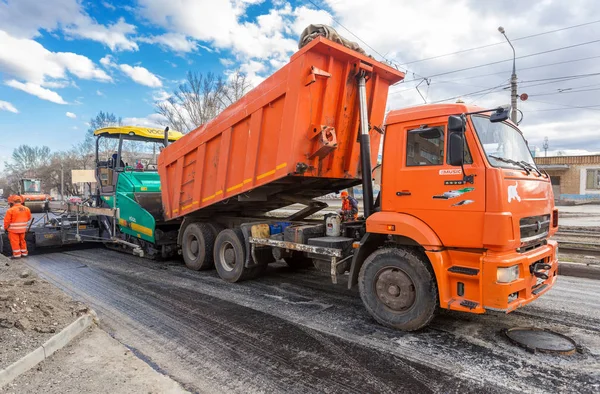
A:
<point x="427" y="187"/>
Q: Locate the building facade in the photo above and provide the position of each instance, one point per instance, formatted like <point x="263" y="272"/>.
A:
<point x="574" y="178"/>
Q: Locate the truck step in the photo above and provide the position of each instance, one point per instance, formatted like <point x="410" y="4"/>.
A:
<point x="464" y="270"/>
<point x="539" y="289"/>
<point x="469" y="304"/>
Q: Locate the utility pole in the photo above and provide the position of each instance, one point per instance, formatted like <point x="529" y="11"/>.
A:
<point x="513" y="80"/>
<point x="545" y="146"/>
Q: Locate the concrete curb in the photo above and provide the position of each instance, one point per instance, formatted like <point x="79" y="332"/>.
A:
<point x="43" y="352"/>
<point x="579" y="270"/>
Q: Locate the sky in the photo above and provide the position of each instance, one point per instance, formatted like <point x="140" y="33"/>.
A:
<point x="63" y="61"/>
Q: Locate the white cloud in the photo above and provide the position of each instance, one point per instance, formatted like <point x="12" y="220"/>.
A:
<point x="141" y="75"/>
<point x="160" y="95"/>
<point x="108" y="61"/>
<point x="28" y="60"/>
<point x="26" y="18"/>
<point x="56" y="84"/>
<point x="6" y="106"/>
<point x="75" y="128"/>
<point x="106" y="4"/>
<point x="115" y="36"/>
<point x="71" y="115"/>
<point x="37" y="90"/>
<point x="222" y="27"/>
<point x="99" y="93"/>
<point x="226" y="62"/>
<point x="174" y="41"/>
<point x="152" y="120"/>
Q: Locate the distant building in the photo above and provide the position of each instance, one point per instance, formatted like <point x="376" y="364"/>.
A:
<point x="574" y="178"/>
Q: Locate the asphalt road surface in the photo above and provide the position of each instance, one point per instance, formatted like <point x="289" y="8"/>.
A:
<point x="296" y="332"/>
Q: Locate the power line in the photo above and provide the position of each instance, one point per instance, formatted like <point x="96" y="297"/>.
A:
<point x="592" y="107"/>
<point x="560" y="80"/>
<point x="484" y="91"/>
<point x="498" y="73"/>
<point x="481" y="96"/>
<point x="358" y="38"/>
<point x="563" y="92"/>
<point x="563" y="77"/>
<point x="521" y="69"/>
<point x="510" y="60"/>
<point x="349" y="31"/>
<point x="501" y="42"/>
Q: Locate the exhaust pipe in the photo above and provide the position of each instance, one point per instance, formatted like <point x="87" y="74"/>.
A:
<point x="166" y="136"/>
<point x="365" y="147"/>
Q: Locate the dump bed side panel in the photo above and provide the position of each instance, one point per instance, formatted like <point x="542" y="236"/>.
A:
<point x="297" y="130"/>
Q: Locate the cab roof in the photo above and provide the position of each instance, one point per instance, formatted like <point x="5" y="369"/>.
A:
<point x="427" y="111"/>
<point x="135" y="132"/>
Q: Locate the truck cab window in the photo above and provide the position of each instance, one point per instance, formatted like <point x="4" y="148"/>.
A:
<point x="426" y="148"/>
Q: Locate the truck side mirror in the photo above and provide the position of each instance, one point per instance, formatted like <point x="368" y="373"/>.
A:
<point x="456" y="124"/>
<point x="500" y="115"/>
<point x="456" y="149"/>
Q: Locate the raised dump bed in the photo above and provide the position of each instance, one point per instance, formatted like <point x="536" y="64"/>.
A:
<point x="293" y="137"/>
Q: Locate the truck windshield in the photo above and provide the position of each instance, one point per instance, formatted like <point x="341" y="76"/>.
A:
<point x="503" y="144"/>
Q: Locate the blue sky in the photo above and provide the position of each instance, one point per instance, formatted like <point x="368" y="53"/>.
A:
<point x="62" y="61"/>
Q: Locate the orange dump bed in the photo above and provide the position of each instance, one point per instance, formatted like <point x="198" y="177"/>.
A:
<point x="293" y="136"/>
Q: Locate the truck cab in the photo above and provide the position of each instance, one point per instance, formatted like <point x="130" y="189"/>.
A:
<point x="462" y="188"/>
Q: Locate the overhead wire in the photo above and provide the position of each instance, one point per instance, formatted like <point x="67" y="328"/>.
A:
<point x="566" y="106"/>
<point x="407" y="71"/>
<point x="509" y="60"/>
<point x="488" y="90"/>
<point x="500" y="43"/>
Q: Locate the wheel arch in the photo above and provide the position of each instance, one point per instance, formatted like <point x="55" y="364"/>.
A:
<point x="409" y="231"/>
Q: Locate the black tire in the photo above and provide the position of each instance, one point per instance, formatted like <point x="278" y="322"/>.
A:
<point x="230" y="255"/>
<point x="398" y="289"/>
<point x="197" y="246"/>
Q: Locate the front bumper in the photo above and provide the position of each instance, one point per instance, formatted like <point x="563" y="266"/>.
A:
<point x="507" y="297"/>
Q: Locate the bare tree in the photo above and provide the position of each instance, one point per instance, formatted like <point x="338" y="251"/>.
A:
<point x="26" y="160"/>
<point x="200" y="99"/>
<point x="103" y="119"/>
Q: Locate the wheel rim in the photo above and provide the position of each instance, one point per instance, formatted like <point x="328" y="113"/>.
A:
<point x="194" y="246"/>
<point x="395" y="289"/>
<point x="227" y="256"/>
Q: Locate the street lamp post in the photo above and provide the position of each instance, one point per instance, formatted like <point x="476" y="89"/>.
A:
<point x="513" y="80"/>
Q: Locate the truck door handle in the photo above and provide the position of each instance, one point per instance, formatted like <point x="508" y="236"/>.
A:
<point x="403" y="193"/>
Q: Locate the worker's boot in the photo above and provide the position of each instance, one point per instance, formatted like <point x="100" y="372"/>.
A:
<point x="15" y="257"/>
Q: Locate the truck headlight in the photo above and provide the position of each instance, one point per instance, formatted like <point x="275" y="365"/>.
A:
<point x="508" y="274"/>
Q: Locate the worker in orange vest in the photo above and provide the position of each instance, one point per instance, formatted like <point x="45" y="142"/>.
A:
<point x="16" y="221"/>
<point x="349" y="210"/>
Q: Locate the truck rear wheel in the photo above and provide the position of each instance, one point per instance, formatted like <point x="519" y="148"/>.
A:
<point x="197" y="246"/>
<point x="398" y="289"/>
<point x="230" y="255"/>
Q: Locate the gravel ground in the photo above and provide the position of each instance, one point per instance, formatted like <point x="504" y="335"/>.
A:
<point x="94" y="363"/>
<point x="295" y="332"/>
<point x="31" y="310"/>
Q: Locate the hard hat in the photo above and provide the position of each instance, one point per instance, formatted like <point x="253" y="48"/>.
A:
<point x="344" y="194"/>
<point x="17" y="199"/>
<point x="10" y="199"/>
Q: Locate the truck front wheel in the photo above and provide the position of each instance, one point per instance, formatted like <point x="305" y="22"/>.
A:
<point x="397" y="289"/>
<point x="197" y="246"/>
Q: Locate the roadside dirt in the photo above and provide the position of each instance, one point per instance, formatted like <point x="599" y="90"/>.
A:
<point x="31" y="311"/>
<point x="94" y="363"/>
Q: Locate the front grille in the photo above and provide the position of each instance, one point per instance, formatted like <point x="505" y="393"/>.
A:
<point x="534" y="228"/>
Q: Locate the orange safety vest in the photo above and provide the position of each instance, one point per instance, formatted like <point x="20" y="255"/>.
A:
<point x="17" y="219"/>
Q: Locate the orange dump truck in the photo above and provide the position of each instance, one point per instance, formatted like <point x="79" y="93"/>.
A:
<point x="462" y="221"/>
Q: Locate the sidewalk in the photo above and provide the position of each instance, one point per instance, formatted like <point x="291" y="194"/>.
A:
<point x="93" y="363"/>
